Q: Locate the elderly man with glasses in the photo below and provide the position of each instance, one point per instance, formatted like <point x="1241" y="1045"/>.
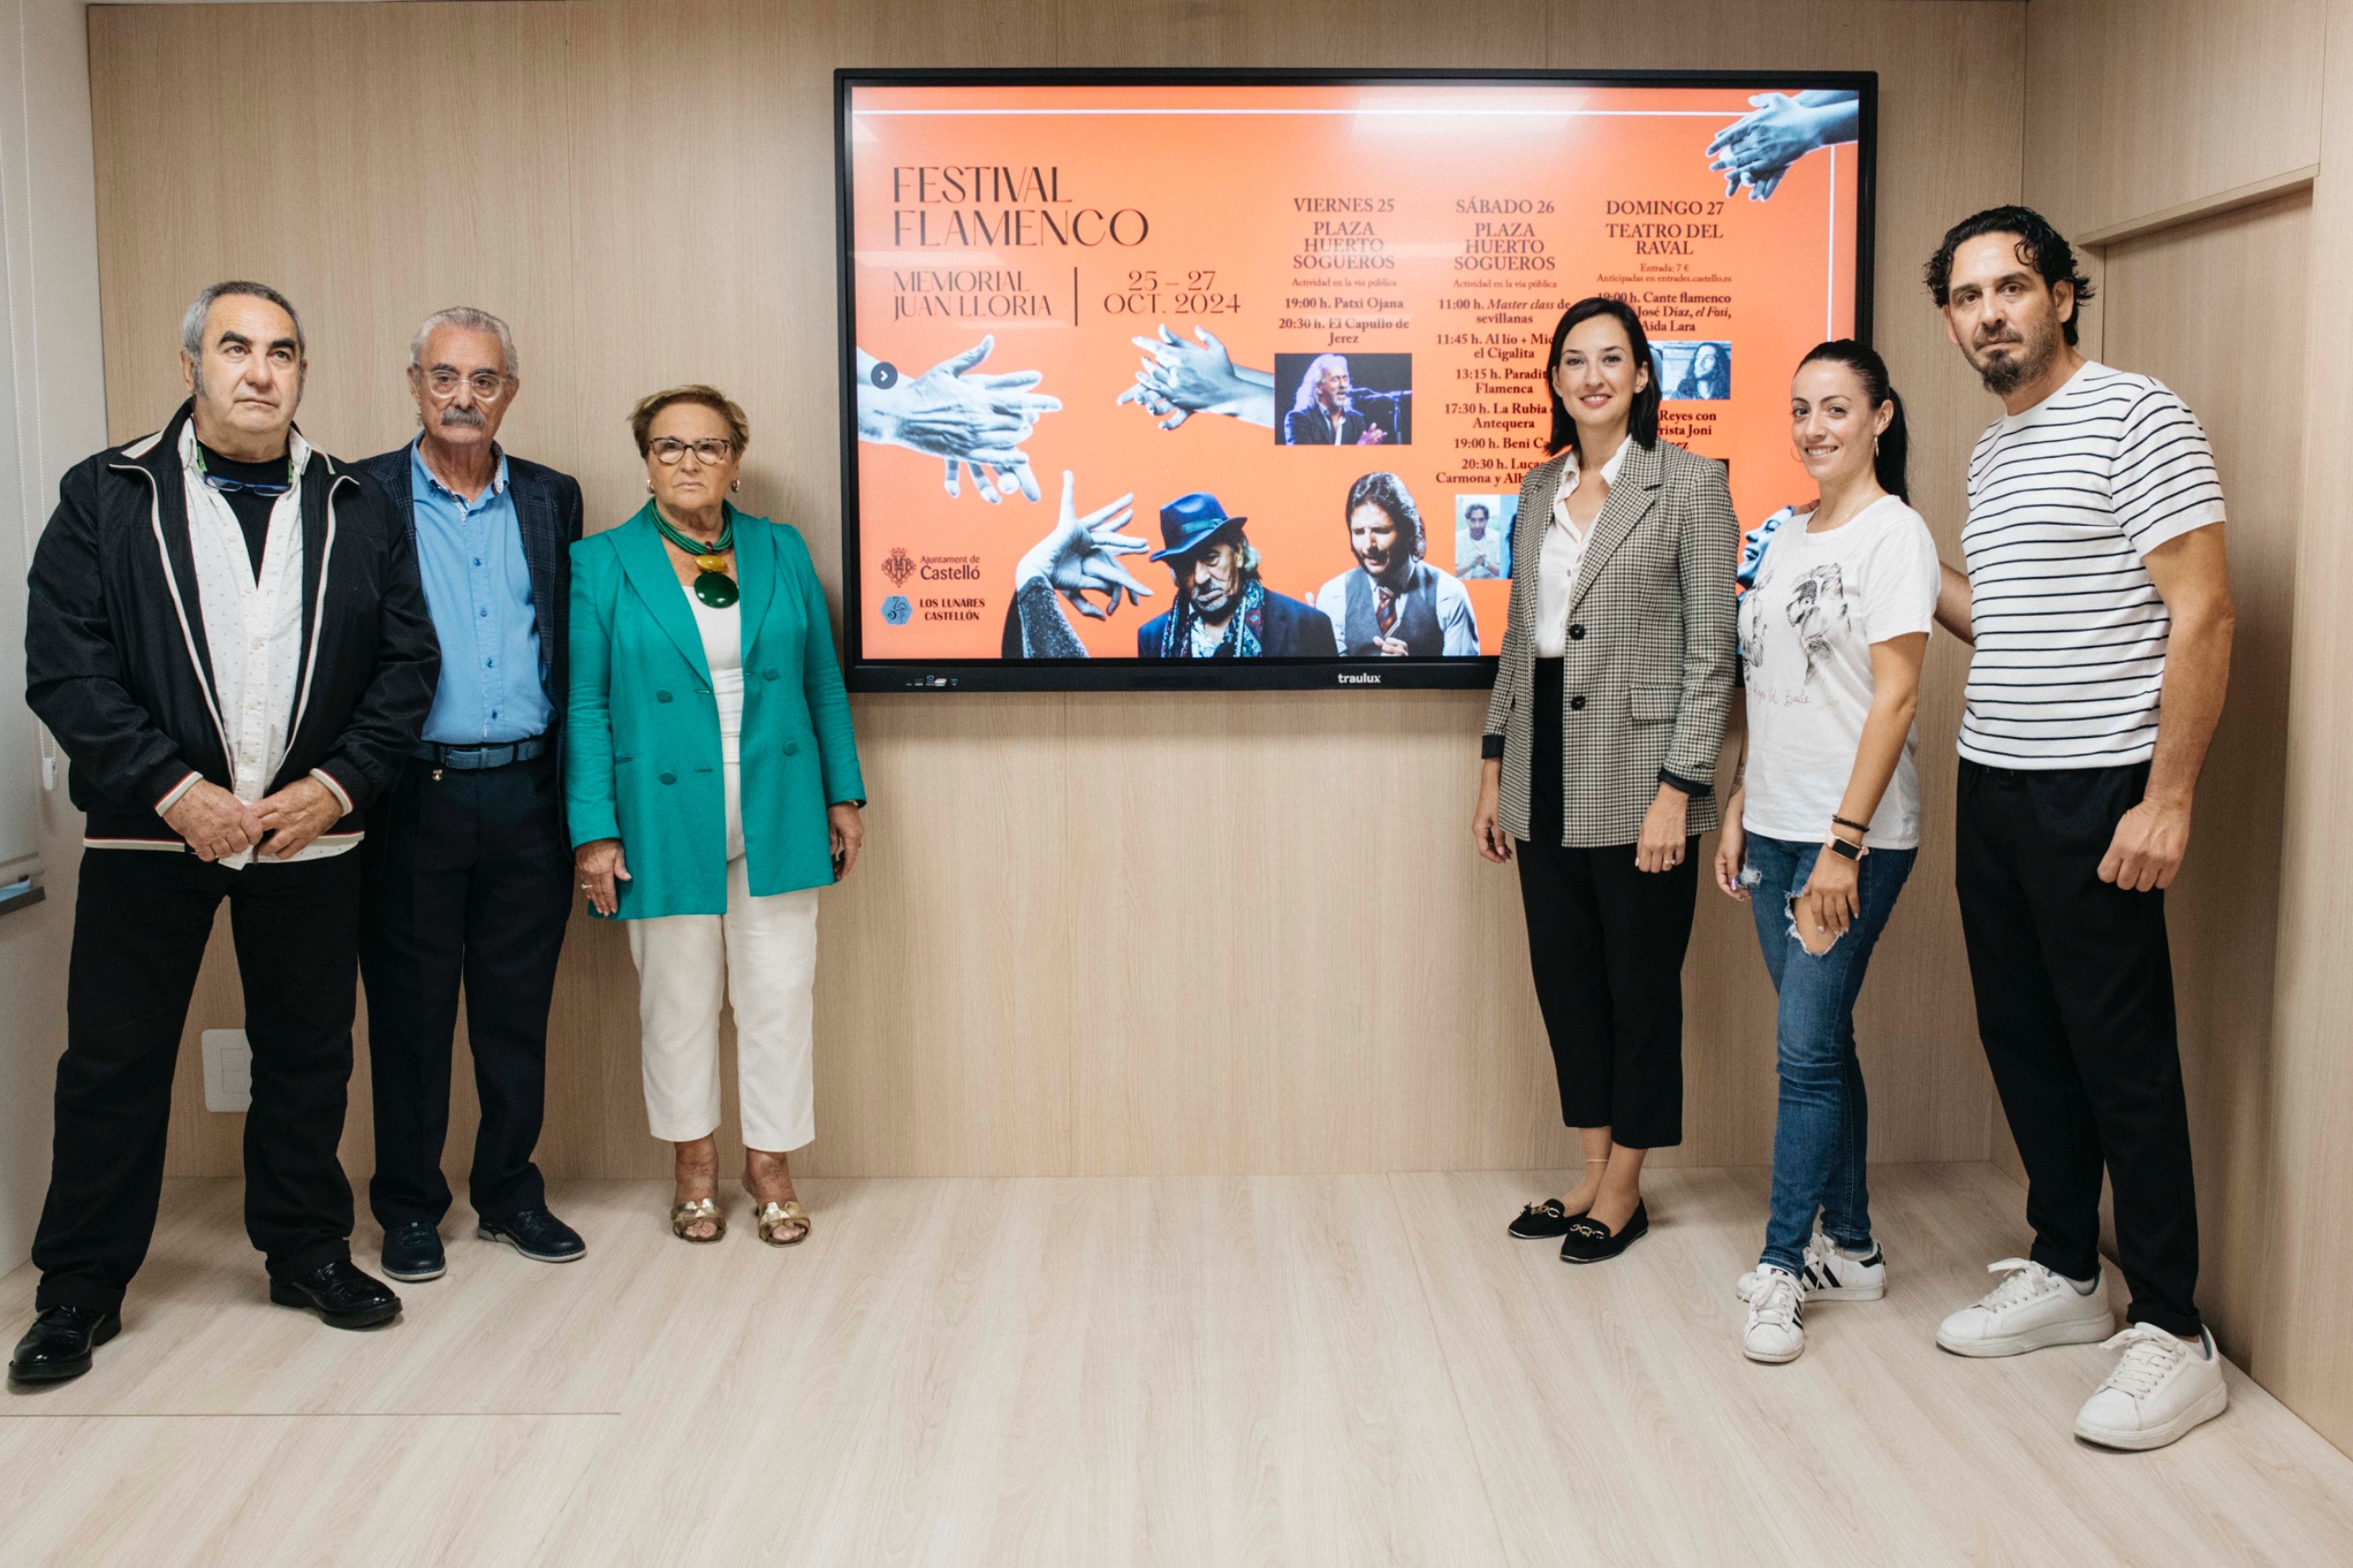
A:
<point x="469" y="866"/>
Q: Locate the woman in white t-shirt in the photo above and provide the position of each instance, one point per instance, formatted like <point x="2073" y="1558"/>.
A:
<point x="1824" y="821"/>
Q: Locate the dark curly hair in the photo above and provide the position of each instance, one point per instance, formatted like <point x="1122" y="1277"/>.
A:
<point x="2040" y="246"/>
<point x="1388" y="492"/>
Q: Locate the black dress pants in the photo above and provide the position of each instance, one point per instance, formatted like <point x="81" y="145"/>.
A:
<point x="1606" y="942"/>
<point x="2075" y="1002"/>
<point x="469" y="881"/>
<point x="141" y="923"/>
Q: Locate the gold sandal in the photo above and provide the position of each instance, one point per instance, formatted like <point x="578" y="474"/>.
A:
<point x="776" y="1217"/>
<point x="701" y="1212"/>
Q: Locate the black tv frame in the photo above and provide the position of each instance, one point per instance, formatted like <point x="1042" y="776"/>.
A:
<point x="866" y="674"/>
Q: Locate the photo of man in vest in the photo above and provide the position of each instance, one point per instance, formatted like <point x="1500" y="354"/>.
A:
<point x="1396" y="605"/>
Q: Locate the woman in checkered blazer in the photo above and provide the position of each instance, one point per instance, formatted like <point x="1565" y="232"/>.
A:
<point x="1600" y="755"/>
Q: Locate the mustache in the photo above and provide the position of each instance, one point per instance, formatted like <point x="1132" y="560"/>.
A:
<point x="463" y="418"/>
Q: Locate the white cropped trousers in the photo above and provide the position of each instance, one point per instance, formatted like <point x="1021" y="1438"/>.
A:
<point x="761" y="956"/>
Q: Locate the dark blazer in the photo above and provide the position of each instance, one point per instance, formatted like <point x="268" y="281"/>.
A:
<point x="116" y="661"/>
<point x="1287" y="629"/>
<point x="548" y="512"/>
<point x="1649" y="662"/>
<point x="1311" y="427"/>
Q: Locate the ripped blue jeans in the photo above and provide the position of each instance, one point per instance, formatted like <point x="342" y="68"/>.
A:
<point x="1821" y="1133"/>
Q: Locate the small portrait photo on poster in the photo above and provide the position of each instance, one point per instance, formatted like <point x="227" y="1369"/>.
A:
<point x="1692" y="372"/>
<point x="1344" y="400"/>
<point x="1483" y="527"/>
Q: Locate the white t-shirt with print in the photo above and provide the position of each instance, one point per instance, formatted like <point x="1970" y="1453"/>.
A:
<point x="1807" y="630"/>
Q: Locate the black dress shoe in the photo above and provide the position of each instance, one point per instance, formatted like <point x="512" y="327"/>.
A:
<point x="1542" y="1221"/>
<point x="344" y="1295"/>
<point x="536" y="1234"/>
<point x="412" y="1252"/>
<point x="1588" y="1240"/>
<point x="57" y="1345"/>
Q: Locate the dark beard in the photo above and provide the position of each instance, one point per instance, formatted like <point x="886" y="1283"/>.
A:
<point x="2002" y="377"/>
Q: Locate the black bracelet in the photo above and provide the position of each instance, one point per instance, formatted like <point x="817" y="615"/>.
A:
<point x="1842" y="822"/>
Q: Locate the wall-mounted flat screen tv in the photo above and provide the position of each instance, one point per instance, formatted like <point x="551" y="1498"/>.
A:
<point x="1229" y="379"/>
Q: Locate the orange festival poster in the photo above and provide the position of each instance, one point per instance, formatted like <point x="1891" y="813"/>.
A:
<point x="1135" y="313"/>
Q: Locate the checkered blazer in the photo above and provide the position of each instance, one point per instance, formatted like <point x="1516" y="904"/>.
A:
<point x="1651" y="650"/>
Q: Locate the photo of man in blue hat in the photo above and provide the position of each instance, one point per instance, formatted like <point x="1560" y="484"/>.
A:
<point x="1222" y="610"/>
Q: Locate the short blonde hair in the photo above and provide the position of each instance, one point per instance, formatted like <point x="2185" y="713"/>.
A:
<point x="641" y="419"/>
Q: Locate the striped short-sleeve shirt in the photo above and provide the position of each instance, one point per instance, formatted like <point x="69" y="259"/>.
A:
<point x="2065" y="502"/>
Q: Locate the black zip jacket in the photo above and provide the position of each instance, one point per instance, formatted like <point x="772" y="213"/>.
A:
<point x="116" y="661"/>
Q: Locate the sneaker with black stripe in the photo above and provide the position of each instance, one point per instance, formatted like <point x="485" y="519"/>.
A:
<point x="1830" y="1275"/>
<point x="1776" y="1328"/>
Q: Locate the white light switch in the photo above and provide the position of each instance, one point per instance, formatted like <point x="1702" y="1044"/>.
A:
<point x="228" y="1069"/>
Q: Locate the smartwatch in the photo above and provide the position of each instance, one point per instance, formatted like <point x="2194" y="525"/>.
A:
<point x="1843" y="850"/>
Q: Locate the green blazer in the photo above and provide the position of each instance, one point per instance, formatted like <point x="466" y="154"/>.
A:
<point x="641" y="757"/>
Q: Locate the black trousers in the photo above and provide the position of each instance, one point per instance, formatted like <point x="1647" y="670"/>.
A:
<point x="469" y="881"/>
<point x="141" y="923"/>
<point x="1606" y="942"/>
<point x="2075" y="1002"/>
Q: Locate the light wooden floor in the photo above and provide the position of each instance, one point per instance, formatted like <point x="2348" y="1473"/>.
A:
<point x="1184" y="1371"/>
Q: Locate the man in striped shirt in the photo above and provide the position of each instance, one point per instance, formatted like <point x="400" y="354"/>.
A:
<point x="2099" y="602"/>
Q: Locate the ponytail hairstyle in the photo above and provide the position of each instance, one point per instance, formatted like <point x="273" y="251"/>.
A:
<point x="1642" y="420"/>
<point x="1889" y="463"/>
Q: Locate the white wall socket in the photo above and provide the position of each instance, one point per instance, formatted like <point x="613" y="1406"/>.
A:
<point x="228" y="1069"/>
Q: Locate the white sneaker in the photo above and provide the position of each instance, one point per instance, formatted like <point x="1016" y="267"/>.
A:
<point x="1830" y="1275"/>
<point x="2161" y="1388"/>
<point x="1776" y="1330"/>
<point x="2031" y="1308"/>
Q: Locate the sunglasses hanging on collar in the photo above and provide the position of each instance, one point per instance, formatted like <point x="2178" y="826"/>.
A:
<point x="232" y="486"/>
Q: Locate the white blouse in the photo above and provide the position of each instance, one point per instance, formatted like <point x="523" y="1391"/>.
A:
<point x="723" y="649"/>
<point x="1563" y="554"/>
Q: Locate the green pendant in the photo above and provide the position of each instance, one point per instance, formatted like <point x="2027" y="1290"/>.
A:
<point x="716" y="589"/>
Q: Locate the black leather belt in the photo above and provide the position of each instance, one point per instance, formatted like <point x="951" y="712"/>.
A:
<point x="473" y="759"/>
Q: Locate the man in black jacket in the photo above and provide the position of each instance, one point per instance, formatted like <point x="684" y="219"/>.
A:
<point x="468" y="864"/>
<point x="227" y="635"/>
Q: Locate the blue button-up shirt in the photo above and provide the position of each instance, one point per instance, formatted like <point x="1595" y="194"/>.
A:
<point x="479" y="588"/>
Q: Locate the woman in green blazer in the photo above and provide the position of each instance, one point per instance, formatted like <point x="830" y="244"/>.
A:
<point x="711" y="781"/>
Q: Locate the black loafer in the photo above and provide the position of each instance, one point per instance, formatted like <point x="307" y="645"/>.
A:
<point x="536" y="1234"/>
<point x="343" y="1294"/>
<point x="412" y="1252"/>
<point x="1543" y="1221"/>
<point x="1588" y="1240"/>
<point x="58" y="1346"/>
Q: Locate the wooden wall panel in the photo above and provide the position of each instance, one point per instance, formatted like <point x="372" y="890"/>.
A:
<point x="1092" y="933"/>
<point x="2236" y="354"/>
<point x="2307" y="1302"/>
<point x="2135" y="107"/>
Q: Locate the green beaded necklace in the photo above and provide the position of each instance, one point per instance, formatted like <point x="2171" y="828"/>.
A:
<point x="712" y="585"/>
